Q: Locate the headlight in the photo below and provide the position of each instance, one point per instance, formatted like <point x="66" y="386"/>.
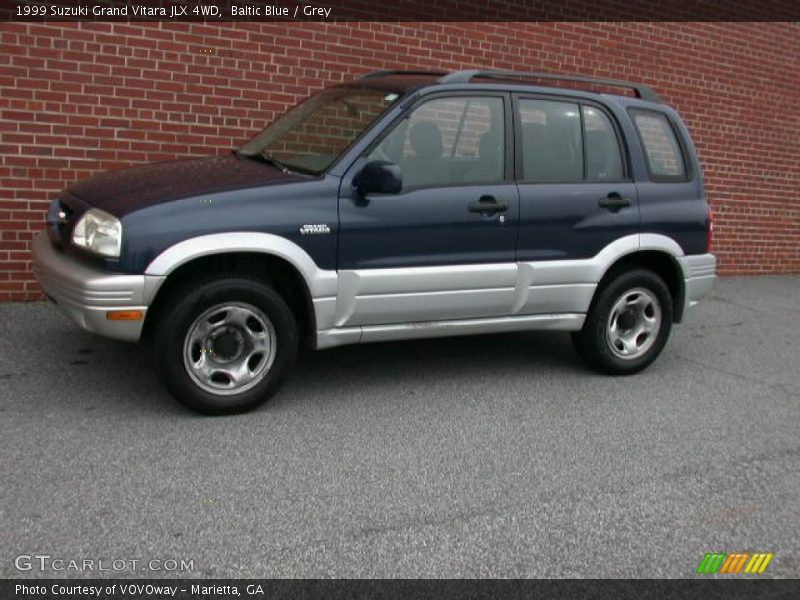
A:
<point x="98" y="232"/>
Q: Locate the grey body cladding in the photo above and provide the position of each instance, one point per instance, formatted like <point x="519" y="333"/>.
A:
<point x="407" y="303"/>
<point x="85" y="295"/>
<point x="355" y="306"/>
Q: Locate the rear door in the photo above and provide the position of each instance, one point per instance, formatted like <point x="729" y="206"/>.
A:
<point x="443" y="247"/>
<point x="576" y="191"/>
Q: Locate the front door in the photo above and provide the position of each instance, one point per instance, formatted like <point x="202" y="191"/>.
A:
<point x="443" y="247"/>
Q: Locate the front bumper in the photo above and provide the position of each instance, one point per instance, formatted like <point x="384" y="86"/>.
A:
<point x="699" y="274"/>
<point x="85" y="294"/>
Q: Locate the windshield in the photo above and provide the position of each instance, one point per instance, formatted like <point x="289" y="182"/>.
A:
<point x="312" y="135"/>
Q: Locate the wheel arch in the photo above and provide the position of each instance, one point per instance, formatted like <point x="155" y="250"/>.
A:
<point x="271" y="258"/>
<point x="658" y="260"/>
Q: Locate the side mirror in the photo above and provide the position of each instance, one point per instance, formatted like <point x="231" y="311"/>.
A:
<point x="379" y="177"/>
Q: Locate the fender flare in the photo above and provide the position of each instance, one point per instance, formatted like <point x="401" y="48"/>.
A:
<point x="321" y="283"/>
<point x="632" y="244"/>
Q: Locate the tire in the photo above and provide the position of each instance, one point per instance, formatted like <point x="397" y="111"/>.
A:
<point x="226" y="346"/>
<point x="640" y="300"/>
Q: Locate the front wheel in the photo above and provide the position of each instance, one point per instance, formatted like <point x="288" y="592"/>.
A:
<point x="226" y="346"/>
<point x="628" y="324"/>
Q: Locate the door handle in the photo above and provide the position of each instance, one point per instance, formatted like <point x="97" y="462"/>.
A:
<point x="614" y="202"/>
<point x="487" y="205"/>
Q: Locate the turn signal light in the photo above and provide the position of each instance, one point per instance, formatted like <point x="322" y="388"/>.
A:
<point x="124" y="315"/>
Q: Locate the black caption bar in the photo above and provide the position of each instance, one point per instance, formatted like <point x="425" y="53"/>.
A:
<point x="399" y="10"/>
<point x="440" y="589"/>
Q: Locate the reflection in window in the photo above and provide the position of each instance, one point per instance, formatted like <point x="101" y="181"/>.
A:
<point x="663" y="153"/>
<point x="551" y="141"/>
<point x="314" y="133"/>
<point x="448" y="141"/>
<point x="603" y="157"/>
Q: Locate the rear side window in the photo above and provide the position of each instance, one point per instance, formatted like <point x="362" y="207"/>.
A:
<point x="565" y="142"/>
<point x="603" y="156"/>
<point x="663" y="152"/>
<point x="551" y="141"/>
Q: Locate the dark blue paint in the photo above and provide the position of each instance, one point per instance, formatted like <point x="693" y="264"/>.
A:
<point x="677" y="210"/>
<point x="127" y="190"/>
<point x="425" y="227"/>
<point x="163" y="204"/>
<point x="563" y="220"/>
<point x="279" y="209"/>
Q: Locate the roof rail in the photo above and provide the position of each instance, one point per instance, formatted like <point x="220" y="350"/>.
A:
<point x="387" y="72"/>
<point x="642" y="91"/>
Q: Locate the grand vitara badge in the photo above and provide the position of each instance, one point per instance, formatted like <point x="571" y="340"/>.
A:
<point x="315" y="229"/>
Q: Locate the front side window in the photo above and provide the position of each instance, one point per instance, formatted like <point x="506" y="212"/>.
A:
<point x="664" y="156"/>
<point x="312" y="135"/>
<point x="448" y="141"/>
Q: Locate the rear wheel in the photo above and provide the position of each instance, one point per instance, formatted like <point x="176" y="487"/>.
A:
<point x="628" y="325"/>
<point x="226" y="346"/>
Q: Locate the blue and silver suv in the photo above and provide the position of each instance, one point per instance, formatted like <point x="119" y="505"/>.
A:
<point x="401" y="205"/>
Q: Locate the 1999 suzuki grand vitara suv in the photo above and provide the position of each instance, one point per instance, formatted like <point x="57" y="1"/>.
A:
<point x="402" y="205"/>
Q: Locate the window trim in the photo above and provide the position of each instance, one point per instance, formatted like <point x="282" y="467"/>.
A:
<point x="508" y="130"/>
<point x="625" y="155"/>
<point x="688" y="174"/>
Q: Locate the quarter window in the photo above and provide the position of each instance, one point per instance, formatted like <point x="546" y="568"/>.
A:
<point x="664" y="156"/>
<point x="448" y="141"/>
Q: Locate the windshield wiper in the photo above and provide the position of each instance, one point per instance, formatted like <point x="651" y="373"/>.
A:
<point x="270" y="160"/>
<point x="274" y="162"/>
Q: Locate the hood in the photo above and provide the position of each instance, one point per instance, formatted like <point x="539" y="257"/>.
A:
<point x="126" y="190"/>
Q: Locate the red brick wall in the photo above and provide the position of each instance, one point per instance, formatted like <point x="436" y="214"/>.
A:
<point x="79" y="98"/>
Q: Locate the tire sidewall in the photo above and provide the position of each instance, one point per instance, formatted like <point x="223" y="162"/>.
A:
<point x="595" y="341"/>
<point x="179" y="316"/>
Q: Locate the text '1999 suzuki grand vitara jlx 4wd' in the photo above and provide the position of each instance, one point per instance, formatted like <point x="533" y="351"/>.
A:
<point x="401" y="205"/>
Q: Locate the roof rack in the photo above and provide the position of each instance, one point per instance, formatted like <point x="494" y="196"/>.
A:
<point x="386" y="73"/>
<point x="642" y="91"/>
